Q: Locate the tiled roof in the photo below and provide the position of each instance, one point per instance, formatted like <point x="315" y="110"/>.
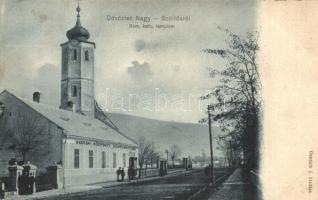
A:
<point x="75" y="124"/>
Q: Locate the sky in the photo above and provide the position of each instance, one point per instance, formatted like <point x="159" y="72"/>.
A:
<point x="155" y="73"/>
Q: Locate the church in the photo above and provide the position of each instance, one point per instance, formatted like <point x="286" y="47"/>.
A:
<point x="77" y="135"/>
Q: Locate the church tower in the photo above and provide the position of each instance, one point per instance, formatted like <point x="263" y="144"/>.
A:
<point x="77" y="83"/>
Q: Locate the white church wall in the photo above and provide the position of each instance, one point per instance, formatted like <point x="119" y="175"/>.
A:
<point x="84" y="174"/>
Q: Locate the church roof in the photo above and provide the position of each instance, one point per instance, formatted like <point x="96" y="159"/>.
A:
<point x="78" y="32"/>
<point x="78" y="125"/>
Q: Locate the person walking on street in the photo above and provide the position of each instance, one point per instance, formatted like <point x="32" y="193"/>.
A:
<point x="2" y="190"/>
<point x="122" y="174"/>
<point x="130" y="174"/>
<point x="118" y="173"/>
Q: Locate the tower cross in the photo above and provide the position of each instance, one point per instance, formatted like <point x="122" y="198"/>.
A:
<point x="78" y="9"/>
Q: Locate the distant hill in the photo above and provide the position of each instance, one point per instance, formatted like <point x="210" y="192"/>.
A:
<point x="192" y="138"/>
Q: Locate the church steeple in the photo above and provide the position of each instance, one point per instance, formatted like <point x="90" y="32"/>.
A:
<point x="78" y="10"/>
<point x="77" y="84"/>
<point x="78" y="32"/>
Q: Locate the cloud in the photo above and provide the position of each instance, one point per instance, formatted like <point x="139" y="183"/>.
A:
<point x="140" y="72"/>
<point x="175" y="68"/>
<point x="41" y="17"/>
<point x="142" y="45"/>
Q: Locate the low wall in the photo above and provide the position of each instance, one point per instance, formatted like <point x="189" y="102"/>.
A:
<point x="85" y="176"/>
<point x="90" y="179"/>
<point x="149" y="172"/>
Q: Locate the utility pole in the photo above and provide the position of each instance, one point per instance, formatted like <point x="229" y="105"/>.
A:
<point x="231" y="153"/>
<point x="167" y="152"/>
<point x="211" y="146"/>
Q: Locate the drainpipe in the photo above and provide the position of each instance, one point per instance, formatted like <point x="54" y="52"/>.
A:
<point x="63" y="156"/>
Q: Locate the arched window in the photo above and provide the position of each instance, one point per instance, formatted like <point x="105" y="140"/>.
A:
<point x="75" y="54"/>
<point x="74" y="91"/>
<point x="86" y="55"/>
<point x="36" y="97"/>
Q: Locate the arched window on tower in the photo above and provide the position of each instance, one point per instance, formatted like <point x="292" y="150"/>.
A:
<point x="74" y="91"/>
<point x="86" y="55"/>
<point x="74" y="54"/>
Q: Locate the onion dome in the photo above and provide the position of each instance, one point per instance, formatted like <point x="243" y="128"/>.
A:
<point x="78" y="32"/>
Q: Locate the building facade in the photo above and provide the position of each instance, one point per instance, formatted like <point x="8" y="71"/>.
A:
<point x="78" y="135"/>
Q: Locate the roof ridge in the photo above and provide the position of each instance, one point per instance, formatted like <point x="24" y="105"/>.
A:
<point x="75" y="125"/>
<point x="113" y="126"/>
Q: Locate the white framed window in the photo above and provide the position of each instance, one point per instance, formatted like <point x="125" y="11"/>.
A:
<point x="74" y="91"/>
<point x="76" y="158"/>
<point x="74" y="54"/>
<point x="124" y="160"/>
<point x="90" y="159"/>
<point x="86" y="55"/>
<point x="114" y="160"/>
<point x="103" y="159"/>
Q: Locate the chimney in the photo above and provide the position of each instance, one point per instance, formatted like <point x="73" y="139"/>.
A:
<point x="36" y="97"/>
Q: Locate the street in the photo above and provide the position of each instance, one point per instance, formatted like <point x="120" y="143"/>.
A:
<point x="176" y="187"/>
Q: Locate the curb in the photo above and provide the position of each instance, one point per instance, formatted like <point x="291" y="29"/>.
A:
<point x="98" y="186"/>
<point x="210" y="185"/>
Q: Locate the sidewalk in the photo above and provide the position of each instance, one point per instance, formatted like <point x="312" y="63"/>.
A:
<point x="236" y="188"/>
<point x="85" y="188"/>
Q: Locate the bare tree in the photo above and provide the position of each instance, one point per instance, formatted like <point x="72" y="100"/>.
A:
<point x="144" y="147"/>
<point x="174" y="152"/>
<point x="202" y="159"/>
<point x="238" y="103"/>
<point x="4" y="129"/>
<point x="152" y="155"/>
<point x="148" y="153"/>
<point x="28" y="135"/>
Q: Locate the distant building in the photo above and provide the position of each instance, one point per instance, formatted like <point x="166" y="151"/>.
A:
<point x="78" y="135"/>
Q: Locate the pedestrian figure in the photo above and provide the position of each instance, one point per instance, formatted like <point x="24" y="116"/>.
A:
<point x="2" y="190"/>
<point x="118" y="173"/>
<point x="122" y="174"/>
<point x="206" y="171"/>
<point x="130" y="174"/>
<point x="31" y="184"/>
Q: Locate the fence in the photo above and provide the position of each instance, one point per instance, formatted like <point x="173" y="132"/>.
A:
<point x="147" y="172"/>
<point x="44" y="182"/>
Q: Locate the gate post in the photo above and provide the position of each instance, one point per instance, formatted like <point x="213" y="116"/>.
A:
<point x="14" y="172"/>
<point x="55" y="172"/>
<point x="31" y="171"/>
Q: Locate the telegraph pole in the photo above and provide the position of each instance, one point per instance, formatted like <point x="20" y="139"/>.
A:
<point x="211" y="146"/>
<point x="231" y="153"/>
<point x="167" y="152"/>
